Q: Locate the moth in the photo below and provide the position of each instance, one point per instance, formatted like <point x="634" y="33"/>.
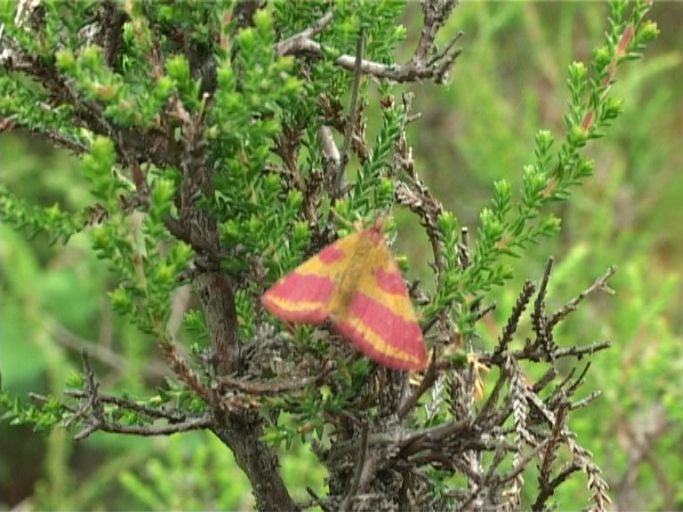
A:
<point x="356" y="285"/>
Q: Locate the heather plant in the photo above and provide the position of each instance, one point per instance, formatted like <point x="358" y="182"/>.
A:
<point x="224" y="142"/>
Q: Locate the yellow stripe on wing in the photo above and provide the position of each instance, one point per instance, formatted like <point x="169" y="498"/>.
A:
<point x="365" y="336"/>
<point x="380" y="257"/>
<point x="314" y="265"/>
<point x="400" y="305"/>
<point x="295" y="306"/>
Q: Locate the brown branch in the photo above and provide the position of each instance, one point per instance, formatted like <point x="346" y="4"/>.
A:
<point x="544" y="336"/>
<point x="522" y="464"/>
<point x="102" y="353"/>
<point x="513" y="320"/>
<point x="286" y="46"/>
<point x="242" y="432"/>
<point x="273" y="388"/>
<point x="59" y="139"/>
<point x="435" y="13"/>
<point x="91" y="412"/>
<point x="330" y="154"/>
<point x="92" y="407"/>
<point x="184" y="372"/>
<point x="426" y="383"/>
<point x="421" y="439"/>
<point x="338" y="184"/>
<point x="491" y="400"/>
<point x="426" y="64"/>
<point x="534" y="354"/>
<point x="200" y="423"/>
<point x="464" y="248"/>
<point x="153" y="412"/>
<point x="549" y="457"/>
<point x="218" y="303"/>
<point x="546" y="492"/>
<point x="545" y="379"/>
<point x="586" y="400"/>
<point x="412" y="193"/>
<point x="600" y="284"/>
<point x="243" y="13"/>
<point x="480" y="313"/>
<point x="358" y="473"/>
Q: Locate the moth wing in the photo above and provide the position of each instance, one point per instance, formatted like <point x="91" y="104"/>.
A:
<point x="304" y="295"/>
<point x="380" y="320"/>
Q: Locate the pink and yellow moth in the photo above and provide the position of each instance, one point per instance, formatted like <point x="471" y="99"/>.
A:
<point x="356" y="284"/>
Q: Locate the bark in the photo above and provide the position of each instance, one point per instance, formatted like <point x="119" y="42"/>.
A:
<point x="218" y="303"/>
<point x="242" y="431"/>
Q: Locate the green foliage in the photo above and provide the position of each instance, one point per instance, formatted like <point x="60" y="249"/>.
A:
<point x="306" y="414"/>
<point x="509" y="226"/>
<point x="373" y="189"/>
<point x="173" y="478"/>
<point x="610" y="221"/>
<point x="246" y="116"/>
<point x="41" y="418"/>
<point x="34" y="220"/>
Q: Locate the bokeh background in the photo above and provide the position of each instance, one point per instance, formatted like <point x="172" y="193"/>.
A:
<point x="507" y="84"/>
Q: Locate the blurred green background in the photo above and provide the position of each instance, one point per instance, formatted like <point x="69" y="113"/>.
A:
<point x="507" y="84"/>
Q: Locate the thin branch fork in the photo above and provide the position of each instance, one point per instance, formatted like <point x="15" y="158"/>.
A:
<point x="523" y="463"/>
<point x="555" y="439"/>
<point x="200" y="423"/>
<point x="92" y="407"/>
<point x="272" y="388"/>
<point x="427" y="380"/>
<point x="152" y="412"/>
<point x="600" y="284"/>
<point x="513" y="320"/>
<point x="287" y="46"/>
<point x="492" y="478"/>
<point x="92" y="413"/>
<point x="412" y="192"/>
<point x="547" y="490"/>
<point x="535" y="355"/>
<point x="408" y="443"/>
<point x="544" y="334"/>
<point x="435" y="14"/>
<point x="426" y="63"/>
<point x="417" y="441"/>
<point x="411" y="72"/>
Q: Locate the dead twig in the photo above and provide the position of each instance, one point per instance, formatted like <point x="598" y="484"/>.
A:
<point x="600" y="284"/>
<point x="360" y="469"/>
<point x="200" y="423"/>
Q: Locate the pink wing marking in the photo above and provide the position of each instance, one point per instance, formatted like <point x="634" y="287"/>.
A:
<point x="303" y="287"/>
<point x="390" y="282"/>
<point x="359" y="340"/>
<point x="300" y="298"/>
<point x="406" y="336"/>
<point x="400" y="335"/>
<point x="331" y="254"/>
